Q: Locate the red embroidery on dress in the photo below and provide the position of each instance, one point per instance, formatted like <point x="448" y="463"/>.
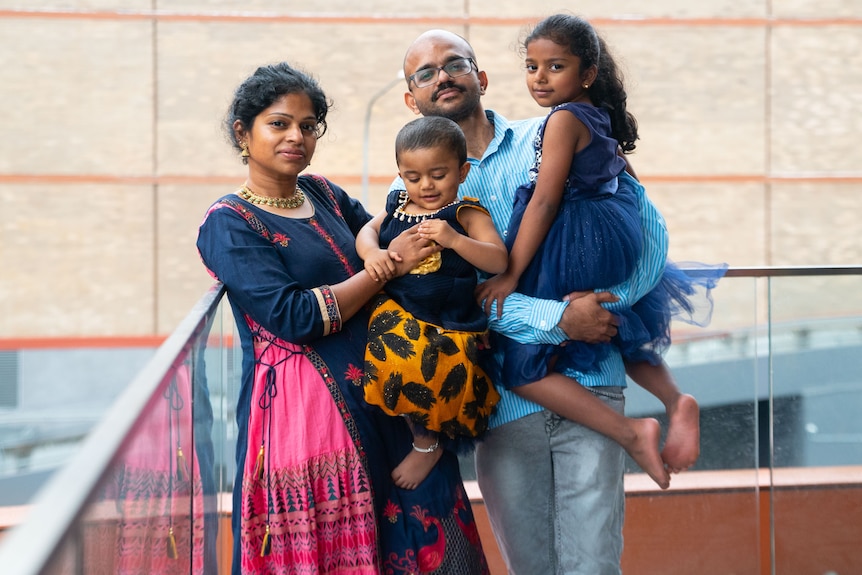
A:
<point x="252" y="219"/>
<point x="331" y="309"/>
<point x="353" y="374"/>
<point x="333" y="246"/>
<point x="391" y="511"/>
<point x="321" y="181"/>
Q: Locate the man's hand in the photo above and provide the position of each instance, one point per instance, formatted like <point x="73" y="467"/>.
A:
<point x="585" y="320"/>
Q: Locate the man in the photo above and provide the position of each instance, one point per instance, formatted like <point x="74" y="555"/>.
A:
<point x="553" y="489"/>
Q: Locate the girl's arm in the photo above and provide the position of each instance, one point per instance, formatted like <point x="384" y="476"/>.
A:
<point x="564" y="135"/>
<point x="368" y="238"/>
<point x="481" y="247"/>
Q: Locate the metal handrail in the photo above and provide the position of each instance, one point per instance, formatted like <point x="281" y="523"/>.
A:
<point x="29" y="547"/>
<point x="790" y="271"/>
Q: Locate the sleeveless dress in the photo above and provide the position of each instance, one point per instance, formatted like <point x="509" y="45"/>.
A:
<point x="594" y="243"/>
<point x="313" y="492"/>
<point x="425" y="346"/>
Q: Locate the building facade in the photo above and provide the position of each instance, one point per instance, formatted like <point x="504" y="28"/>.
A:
<point x="113" y="143"/>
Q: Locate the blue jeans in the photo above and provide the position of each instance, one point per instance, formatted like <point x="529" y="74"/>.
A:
<point x="554" y="493"/>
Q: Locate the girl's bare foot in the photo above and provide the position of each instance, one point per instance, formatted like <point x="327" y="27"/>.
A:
<point x="682" y="445"/>
<point x="416" y="466"/>
<point x="644" y="450"/>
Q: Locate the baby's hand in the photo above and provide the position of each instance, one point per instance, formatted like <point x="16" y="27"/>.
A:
<point x="495" y="289"/>
<point x="438" y="231"/>
<point x="380" y="265"/>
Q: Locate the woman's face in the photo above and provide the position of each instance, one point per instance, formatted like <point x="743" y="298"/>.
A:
<point x="283" y="137"/>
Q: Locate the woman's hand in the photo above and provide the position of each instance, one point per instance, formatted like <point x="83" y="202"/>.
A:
<point x="409" y="248"/>
<point x="495" y="289"/>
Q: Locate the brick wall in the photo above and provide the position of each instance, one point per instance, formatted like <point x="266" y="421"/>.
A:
<point x="113" y="148"/>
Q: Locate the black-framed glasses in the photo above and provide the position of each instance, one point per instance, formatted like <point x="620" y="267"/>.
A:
<point x="427" y="76"/>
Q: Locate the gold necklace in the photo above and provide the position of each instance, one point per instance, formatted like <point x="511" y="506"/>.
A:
<point x="402" y="215"/>
<point x="290" y="203"/>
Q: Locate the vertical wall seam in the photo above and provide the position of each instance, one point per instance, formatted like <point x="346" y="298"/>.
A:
<point x="154" y="34"/>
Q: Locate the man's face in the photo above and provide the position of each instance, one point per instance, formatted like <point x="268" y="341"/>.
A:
<point x="453" y="98"/>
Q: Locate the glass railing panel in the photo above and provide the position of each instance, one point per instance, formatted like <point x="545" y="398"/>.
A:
<point x="722" y="365"/>
<point x="224" y="394"/>
<point x="51" y="396"/>
<point x="147" y="515"/>
<point x="141" y="494"/>
<point x="816" y="392"/>
<point x="776" y="375"/>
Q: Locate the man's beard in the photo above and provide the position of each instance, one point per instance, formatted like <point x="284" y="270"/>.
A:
<point x="464" y="110"/>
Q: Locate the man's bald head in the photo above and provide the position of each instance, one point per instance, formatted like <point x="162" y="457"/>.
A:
<point x="431" y="38"/>
<point x="426" y="41"/>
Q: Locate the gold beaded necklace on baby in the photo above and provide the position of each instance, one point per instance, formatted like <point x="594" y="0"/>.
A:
<point x="401" y="215"/>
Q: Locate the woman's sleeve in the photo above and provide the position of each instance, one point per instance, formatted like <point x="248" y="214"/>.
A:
<point x="248" y="264"/>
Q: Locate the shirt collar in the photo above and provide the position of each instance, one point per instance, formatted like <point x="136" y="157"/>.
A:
<point x="502" y="130"/>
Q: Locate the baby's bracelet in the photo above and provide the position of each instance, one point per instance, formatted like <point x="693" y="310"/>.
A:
<point x="429" y="449"/>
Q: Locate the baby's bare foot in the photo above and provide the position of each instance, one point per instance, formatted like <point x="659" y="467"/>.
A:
<point x="682" y="446"/>
<point x="415" y="467"/>
<point x="644" y="450"/>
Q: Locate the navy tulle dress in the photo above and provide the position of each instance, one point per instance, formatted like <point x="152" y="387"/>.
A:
<point x="594" y="243"/>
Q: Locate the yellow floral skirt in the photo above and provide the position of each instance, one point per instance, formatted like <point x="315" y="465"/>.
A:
<point x="426" y="373"/>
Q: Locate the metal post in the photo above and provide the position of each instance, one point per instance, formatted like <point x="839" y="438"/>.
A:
<point x="366" y="135"/>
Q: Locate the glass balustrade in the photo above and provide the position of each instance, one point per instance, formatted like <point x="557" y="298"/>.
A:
<point x="777" y="374"/>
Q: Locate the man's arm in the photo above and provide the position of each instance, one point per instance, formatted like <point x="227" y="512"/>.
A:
<point x="530" y="320"/>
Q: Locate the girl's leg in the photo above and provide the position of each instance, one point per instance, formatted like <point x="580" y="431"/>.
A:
<point x="417" y="464"/>
<point x="568" y="398"/>
<point x="682" y="444"/>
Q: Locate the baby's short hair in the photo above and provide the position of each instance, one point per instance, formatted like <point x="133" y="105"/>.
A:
<point x="430" y="132"/>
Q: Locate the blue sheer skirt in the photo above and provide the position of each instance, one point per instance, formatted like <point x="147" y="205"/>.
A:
<point x="595" y="243"/>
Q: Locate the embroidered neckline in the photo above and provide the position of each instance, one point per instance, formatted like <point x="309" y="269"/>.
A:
<point x="401" y="215"/>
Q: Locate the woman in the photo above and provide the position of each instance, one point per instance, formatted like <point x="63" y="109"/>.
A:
<point x="313" y="492"/>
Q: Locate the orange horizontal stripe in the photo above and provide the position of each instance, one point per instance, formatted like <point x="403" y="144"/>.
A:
<point x="392" y="19"/>
<point x="356" y="179"/>
<point x="96" y="342"/>
<point x="81" y="342"/>
<point x="161" y="180"/>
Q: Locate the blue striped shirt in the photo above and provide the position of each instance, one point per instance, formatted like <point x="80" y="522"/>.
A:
<point x="493" y="180"/>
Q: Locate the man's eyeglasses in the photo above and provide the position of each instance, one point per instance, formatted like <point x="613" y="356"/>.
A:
<point x="427" y="76"/>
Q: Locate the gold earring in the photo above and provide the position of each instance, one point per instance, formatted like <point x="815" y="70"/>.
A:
<point x="586" y="86"/>
<point x="244" y="147"/>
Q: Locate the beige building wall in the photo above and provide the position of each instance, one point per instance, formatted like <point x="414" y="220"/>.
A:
<point x="113" y="148"/>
